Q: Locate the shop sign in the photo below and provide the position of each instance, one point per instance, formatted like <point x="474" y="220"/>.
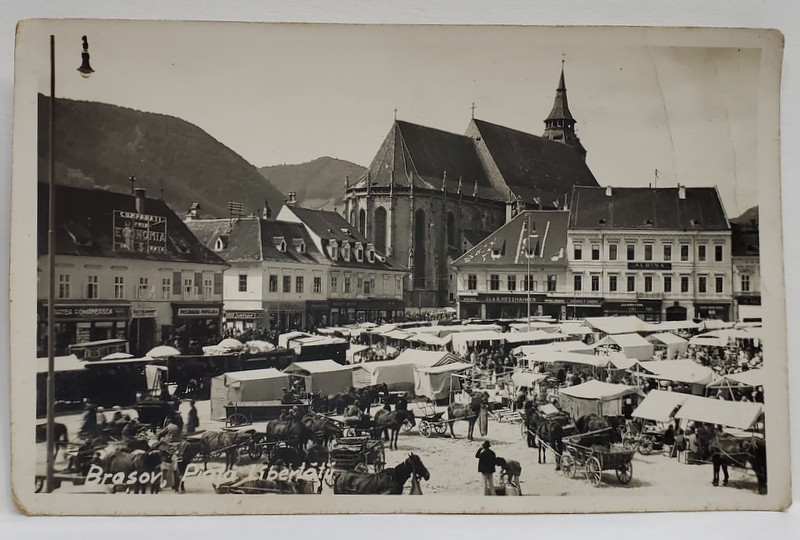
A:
<point x="91" y="312"/>
<point x="139" y="233"/>
<point x="649" y="296"/>
<point x="317" y="305"/>
<point x="198" y="312"/>
<point x="585" y="301"/>
<point x="287" y="306"/>
<point x="509" y="299"/>
<point x="243" y="315"/>
<point x="633" y="307"/>
<point x="649" y="266"/>
<point x="144" y="313"/>
<point x="749" y="300"/>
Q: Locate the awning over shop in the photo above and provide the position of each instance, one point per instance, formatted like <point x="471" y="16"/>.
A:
<point x="660" y="406"/>
<point x="735" y="414"/>
<point x="683" y="371"/>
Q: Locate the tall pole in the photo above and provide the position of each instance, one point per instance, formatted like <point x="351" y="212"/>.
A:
<point x="528" y="257"/>
<point x="51" y="293"/>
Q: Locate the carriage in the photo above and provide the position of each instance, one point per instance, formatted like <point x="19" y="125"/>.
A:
<point x="593" y="453"/>
<point x="359" y="454"/>
<point x="430" y="421"/>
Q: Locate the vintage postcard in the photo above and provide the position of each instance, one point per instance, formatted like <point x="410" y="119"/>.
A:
<point x="258" y="267"/>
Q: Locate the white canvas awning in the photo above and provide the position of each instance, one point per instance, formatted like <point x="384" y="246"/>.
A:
<point x="633" y="345"/>
<point x="533" y="336"/>
<point x="527" y="379"/>
<point x="284" y="340"/>
<point x="462" y="340"/>
<point x="436" y="383"/>
<point x="620" y="361"/>
<point x="669" y="326"/>
<point x="735" y="414"/>
<point x="659" y="405"/>
<point x="565" y="346"/>
<point x="565" y="357"/>
<point x="628" y="324"/>
<point x="752" y="378"/>
<point x="600" y="391"/>
<point x="684" y="371"/>
<point x="326" y="376"/>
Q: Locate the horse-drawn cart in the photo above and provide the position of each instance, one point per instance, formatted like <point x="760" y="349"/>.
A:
<point x="360" y="454"/>
<point x="593" y="453"/>
<point x="430" y="421"/>
<point x="246" y="412"/>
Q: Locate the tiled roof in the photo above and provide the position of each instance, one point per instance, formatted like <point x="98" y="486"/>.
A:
<point x="534" y="168"/>
<point x="507" y="245"/>
<point x="255" y="239"/>
<point x="431" y="157"/>
<point x="647" y="208"/>
<point x="85" y="226"/>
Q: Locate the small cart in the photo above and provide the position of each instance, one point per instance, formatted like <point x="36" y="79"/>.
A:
<point x="592" y="453"/>
<point x="431" y="422"/>
<point x="359" y="454"/>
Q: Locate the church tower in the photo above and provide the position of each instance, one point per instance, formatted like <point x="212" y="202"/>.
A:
<point x="560" y="125"/>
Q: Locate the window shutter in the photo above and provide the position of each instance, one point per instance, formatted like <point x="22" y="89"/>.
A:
<point x="176" y="283"/>
<point x="218" y="283"/>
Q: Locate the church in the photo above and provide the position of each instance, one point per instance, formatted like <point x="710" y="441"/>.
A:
<point x="429" y="195"/>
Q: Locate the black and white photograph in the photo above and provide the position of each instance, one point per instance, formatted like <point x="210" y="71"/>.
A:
<point x="256" y="267"/>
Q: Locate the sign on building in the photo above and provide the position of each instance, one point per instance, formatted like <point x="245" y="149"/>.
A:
<point x="139" y="233"/>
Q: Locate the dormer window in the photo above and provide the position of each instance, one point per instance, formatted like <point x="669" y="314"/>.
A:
<point x="359" y="253"/>
<point x="299" y="245"/>
<point x="346" y="252"/>
<point x="280" y="243"/>
<point x="333" y="250"/>
<point x="695" y="222"/>
<point x="648" y="222"/>
<point x="221" y="243"/>
<point x="347" y="231"/>
<point x="180" y="245"/>
<point x="282" y="247"/>
<point x="371" y="256"/>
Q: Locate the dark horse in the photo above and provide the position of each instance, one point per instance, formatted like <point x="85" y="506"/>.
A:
<point x="460" y="411"/>
<point x="324" y="428"/>
<point x="121" y="460"/>
<point x="223" y="441"/>
<point x="61" y="437"/>
<point x="190" y="451"/>
<point x="339" y="402"/>
<point x="370" y="395"/>
<point x="390" y="423"/>
<point x="726" y="450"/>
<point x="386" y="482"/>
<point x="294" y="432"/>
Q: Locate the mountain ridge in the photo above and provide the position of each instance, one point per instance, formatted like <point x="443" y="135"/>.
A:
<point x="318" y="183"/>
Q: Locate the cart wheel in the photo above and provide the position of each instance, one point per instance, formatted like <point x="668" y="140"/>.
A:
<point x="255" y="450"/>
<point x="625" y="473"/>
<point x="237" y="419"/>
<point x="39" y="484"/>
<point x="594" y="472"/>
<point x="424" y="428"/>
<point x="646" y="446"/>
<point x="349" y="432"/>
<point x="568" y="466"/>
<point x="629" y="441"/>
<point x="361" y="467"/>
<point x="406" y="426"/>
<point x="440" y="428"/>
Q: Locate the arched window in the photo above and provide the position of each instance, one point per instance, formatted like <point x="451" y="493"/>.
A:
<point x="451" y="229"/>
<point x="379" y="230"/>
<point x="420" y="242"/>
<point x="352" y="217"/>
<point x="362" y="221"/>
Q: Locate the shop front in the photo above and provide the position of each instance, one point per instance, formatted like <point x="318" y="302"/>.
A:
<point x="581" y="308"/>
<point x="143" y="334"/>
<point x="748" y="308"/>
<point x="82" y="322"/>
<point x="318" y="313"/>
<point x="509" y="306"/>
<point x="244" y="319"/>
<point x="712" y="310"/>
<point x="286" y="316"/>
<point x="647" y="310"/>
<point x="377" y="310"/>
<point x="197" y="325"/>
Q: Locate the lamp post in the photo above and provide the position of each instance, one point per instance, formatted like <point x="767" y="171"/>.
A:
<point x="85" y="70"/>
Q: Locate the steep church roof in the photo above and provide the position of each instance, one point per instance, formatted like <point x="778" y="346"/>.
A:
<point x="560" y="109"/>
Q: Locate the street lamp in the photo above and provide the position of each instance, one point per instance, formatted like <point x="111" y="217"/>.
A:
<point x="85" y="71"/>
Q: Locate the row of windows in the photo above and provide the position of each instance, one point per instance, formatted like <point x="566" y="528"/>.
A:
<point x="143" y="289"/>
<point x="630" y="283"/>
<point x="525" y="283"/>
<point x="630" y="252"/>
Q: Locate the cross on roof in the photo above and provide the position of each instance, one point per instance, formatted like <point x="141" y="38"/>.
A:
<point x="395" y="113"/>
<point x="473" y="109"/>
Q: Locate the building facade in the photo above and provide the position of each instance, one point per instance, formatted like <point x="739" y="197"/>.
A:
<point x="521" y="268"/>
<point x="427" y="190"/>
<point x="746" y="267"/>
<point x="126" y="268"/>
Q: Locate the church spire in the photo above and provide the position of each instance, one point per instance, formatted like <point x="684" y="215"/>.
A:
<point x="560" y="124"/>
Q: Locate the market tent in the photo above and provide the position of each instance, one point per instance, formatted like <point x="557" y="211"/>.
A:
<point x="462" y="340"/>
<point x="618" y="360"/>
<point x="660" y="405"/>
<point x="422" y="358"/>
<point x="527" y="379"/>
<point x="566" y="346"/>
<point x="533" y="336"/>
<point x="752" y="378"/>
<point x="354" y="351"/>
<point x="399" y="335"/>
<point x="633" y="345"/>
<point x="240" y="386"/>
<point x="735" y="414"/>
<point x="538" y="325"/>
<point x="574" y="329"/>
<point x="675" y="345"/>
<point x="62" y="363"/>
<point x="671" y="326"/>
<point x="683" y="371"/>
<point x="595" y="397"/>
<point x="285" y="339"/>
<point x="324" y="377"/>
<point x="566" y="357"/>
<point x="628" y="324"/>
<point x="436" y="383"/>
<point x="399" y="377"/>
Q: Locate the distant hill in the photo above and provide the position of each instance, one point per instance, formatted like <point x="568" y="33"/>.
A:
<point x="318" y="183"/>
<point x="747" y="217"/>
<point x="101" y="145"/>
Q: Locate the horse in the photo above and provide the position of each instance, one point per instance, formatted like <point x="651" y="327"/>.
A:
<point x="215" y="441"/>
<point x="386" y="482"/>
<point x="324" y="428"/>
<point x="370" y="395"/>
<point x="726" y="450"/>
<point x="590" y="422"/>
<point x="390" y="423"/>
<point x="60" y="435"/>
<point x="190" y="451"/>
<point x="294" y="431"/>
<point x="460" y="411"/>
<point x="339" y="402"/>
<point x="119" y="460"/>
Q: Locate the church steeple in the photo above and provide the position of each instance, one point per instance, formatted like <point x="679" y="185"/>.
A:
<point x="560" y="124"/>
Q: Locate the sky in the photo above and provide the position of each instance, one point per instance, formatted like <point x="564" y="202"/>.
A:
<point x="290" y="94"/>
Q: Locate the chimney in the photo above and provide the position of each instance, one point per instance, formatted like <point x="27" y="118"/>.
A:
<point x="139" y="194"/>
<point x="292" y="199"/>
<point x="267" y="213"/>
<point x="681" y="192"/>
<point x="608" y="191"/>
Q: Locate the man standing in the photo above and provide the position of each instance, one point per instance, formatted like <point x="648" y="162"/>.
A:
<point x="486" y="466"/>
<point x="194" y="421"/>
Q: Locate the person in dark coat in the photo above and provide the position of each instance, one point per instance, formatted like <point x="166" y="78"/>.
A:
<point x="486" y="466"/>
<point x="556" y="434"/>
<point x="193" y="421"/>
<point x="89" y="426"/>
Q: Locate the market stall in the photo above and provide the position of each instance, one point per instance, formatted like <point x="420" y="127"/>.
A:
<point x="632" y="345"/>
<point x="734" y="414"/>
<point x="323" y="377"/>
<point x="436" y="383"/>
<point x="595" y="397"/>
<point x="660" y="406"/>
<point x="243" y="386"/>
<point x="668" y="345"/>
